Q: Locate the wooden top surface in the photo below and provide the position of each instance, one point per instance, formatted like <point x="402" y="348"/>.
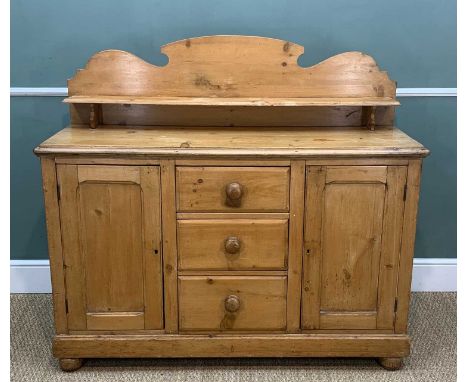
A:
<point x="239" y="141"/>
<point x="234" y="101"/>
<point x="231" y="67"/>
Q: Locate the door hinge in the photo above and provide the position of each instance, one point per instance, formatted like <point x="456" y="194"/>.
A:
<point x="405" y="190"/>
<point x="395" y="308"/>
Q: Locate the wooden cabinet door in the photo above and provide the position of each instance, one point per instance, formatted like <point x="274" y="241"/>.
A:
<point x="353" y="224"/>
<point x="110" y="221"/>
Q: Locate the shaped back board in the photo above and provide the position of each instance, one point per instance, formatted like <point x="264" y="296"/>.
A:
<point x="229" y="67"/>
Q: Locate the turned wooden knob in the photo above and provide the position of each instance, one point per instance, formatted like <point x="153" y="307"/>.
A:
<point x="232" y="245"/>
<point x="232" y="303"/>
<point x="234" y="191"/>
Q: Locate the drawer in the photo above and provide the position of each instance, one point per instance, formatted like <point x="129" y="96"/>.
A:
<point x="233" y="189"/>
<point x="232" y="244"/>
<point x="218" y="303"/>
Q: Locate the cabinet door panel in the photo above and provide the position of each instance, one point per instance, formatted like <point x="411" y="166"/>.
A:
<point x="111" y="246"/>
<point x="351" y="233"/>
<point x="352" y="236"/>
<point x="111" y="234"/>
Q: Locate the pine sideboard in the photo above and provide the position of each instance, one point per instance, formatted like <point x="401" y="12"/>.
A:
<point x="231" y="204"/>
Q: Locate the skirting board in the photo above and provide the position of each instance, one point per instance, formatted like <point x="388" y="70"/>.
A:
<point x="429" y="275"/>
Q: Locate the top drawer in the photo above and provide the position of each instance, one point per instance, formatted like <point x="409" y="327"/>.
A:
<point x="233" y="189"/>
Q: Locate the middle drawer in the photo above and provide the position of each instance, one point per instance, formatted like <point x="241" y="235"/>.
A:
<point x="232" y="244"/>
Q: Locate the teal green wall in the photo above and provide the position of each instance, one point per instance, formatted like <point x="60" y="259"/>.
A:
<point x="415" y="41"/>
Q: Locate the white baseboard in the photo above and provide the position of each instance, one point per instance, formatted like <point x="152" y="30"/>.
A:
<point x="434" y="275"/>
<point x="30" y="276"/>
<point x="429" y="275"/>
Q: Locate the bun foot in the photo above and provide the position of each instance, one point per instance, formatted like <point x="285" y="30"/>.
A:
<point x="70" y="364"/>
<point x="390" y="363"/>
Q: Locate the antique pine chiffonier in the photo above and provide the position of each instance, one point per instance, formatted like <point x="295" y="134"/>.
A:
<point x="231" y="204"/>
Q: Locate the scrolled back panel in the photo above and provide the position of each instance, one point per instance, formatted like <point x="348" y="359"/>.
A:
<point x="231" y="66"/>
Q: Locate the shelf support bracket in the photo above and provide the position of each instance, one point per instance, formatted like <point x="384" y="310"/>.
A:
<point x="368" y="117"/>
<point x="95" y="115"/>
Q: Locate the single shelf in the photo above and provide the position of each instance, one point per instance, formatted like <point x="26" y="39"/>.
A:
<point x="221" y="101"/>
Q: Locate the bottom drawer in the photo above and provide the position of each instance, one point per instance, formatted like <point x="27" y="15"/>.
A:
<point x="220" y="303"/>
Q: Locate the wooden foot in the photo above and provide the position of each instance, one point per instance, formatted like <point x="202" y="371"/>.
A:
<point x="70" y="364"/>
<point x="391" y="363"/>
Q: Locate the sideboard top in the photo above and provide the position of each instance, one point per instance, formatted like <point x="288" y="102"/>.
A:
<point x="232" y="67"/>
<point x="214" y="141"/>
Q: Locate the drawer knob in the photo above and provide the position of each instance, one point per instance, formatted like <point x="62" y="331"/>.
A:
<point x="232" y="245"/>
<point x="234" y="193"/>
<point x="232" y="303"/>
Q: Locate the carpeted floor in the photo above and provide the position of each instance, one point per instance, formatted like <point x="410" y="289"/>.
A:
<point x="433" y="357"/>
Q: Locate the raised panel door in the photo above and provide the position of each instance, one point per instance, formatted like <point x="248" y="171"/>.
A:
<point x="110" y="218"/>
<point x="353" y="223"/>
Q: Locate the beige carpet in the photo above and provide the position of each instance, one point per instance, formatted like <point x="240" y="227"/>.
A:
<point x="433" y="357"/>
